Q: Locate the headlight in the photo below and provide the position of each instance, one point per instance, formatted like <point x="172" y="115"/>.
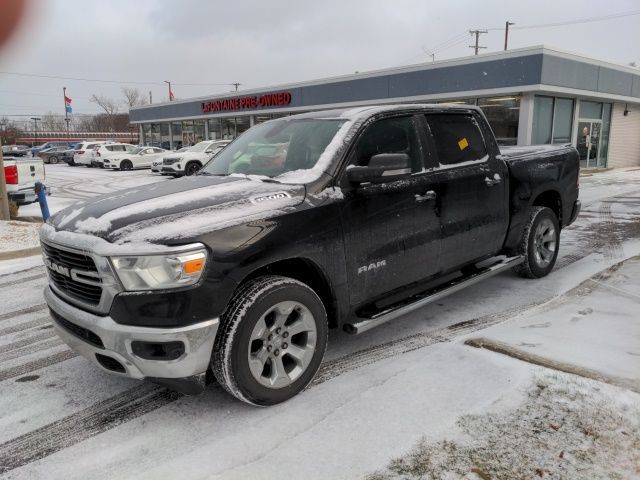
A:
<point x="154" y="272"/>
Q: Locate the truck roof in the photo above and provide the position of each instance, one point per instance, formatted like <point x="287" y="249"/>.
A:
<point x="355" y="113"/>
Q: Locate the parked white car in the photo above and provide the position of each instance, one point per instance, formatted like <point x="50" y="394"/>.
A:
<point x="192" y="159"/>
<point x="140" y="157"/>
<point x="101" y="152"/>
<point x="83" y="152"/>
<point x="156" y="165"/>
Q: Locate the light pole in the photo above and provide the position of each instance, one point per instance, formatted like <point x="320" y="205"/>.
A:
<point x="506" y="32"/>
<point x="170" y="92"/>
<point x="35" y="129"/>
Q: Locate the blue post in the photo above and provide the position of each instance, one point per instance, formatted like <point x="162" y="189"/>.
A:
<point x="41" y="191"/>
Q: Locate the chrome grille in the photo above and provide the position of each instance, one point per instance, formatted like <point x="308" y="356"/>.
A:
<point x="81" y="282"/>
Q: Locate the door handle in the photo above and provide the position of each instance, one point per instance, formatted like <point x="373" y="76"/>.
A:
<point x="490" y="182"/>
<point x="430" y="195"/>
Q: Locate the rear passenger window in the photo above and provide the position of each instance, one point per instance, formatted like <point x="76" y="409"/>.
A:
<point x="457" y="139"/>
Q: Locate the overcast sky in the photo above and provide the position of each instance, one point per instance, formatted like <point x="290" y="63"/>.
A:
<point x="260" y="43"/>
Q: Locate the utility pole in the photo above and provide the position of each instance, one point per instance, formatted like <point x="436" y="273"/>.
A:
<point x="170" y="92"/>
<point x="236" y="85"/>
<point x="150" y="98"/>
<point x="477" y="34"/>
<point x="35" y="129"/>
<point x="4" y="199"/>
<point x="506" y="33"/>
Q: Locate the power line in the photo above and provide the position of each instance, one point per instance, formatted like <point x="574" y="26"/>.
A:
<point x="574" y="22"/>
<point x="122" y="82"/>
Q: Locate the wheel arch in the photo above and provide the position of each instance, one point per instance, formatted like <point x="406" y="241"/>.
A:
<point x="550" y="199"/>
<point x="307" y="272"/>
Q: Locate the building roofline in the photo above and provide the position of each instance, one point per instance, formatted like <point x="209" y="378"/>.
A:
<point x="467" y="60"/>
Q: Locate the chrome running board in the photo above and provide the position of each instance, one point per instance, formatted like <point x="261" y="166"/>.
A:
<point x="361" y="325"/>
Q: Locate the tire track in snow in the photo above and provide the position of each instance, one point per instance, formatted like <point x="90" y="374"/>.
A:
<point x="20" y="327"/>
<point x="41" y="344"/>
<point x="34" y="308"/>
<point x="22" y="280"/>
<point x="36" y="365"/>
<point x="80" y="426"/>
<point x="27" y="341"/>
<point x="26" y="270"/>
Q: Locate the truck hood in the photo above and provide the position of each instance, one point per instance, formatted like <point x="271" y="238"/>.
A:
<point x="177" y="211"/>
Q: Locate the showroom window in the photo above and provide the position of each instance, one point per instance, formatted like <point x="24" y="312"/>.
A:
<point x="503" y="114"/>
<point x="552" y="120"/>
<point x="164" y="136"/>
<point x="215" y="129"/>
<point x="176" y="133"/>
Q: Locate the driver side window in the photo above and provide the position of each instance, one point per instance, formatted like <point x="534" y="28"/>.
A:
<point x="390" y="135"/>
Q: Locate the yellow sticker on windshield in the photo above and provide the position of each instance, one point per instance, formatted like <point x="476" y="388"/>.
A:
<point x="463" y="144"/>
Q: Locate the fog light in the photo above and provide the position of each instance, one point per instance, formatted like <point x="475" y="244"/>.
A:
<point x="158" y="350"/>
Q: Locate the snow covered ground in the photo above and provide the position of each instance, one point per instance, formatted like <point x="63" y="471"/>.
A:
<point x="377" y="396"/>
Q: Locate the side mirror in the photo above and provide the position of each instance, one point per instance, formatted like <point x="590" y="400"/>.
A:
<point x="384" y="167"/>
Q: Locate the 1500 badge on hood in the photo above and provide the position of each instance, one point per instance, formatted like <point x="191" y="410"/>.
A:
<point x="271" y="196"/>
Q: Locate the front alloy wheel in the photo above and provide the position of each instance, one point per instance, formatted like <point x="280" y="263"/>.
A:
<point x="191" y="169"/>
<point x="282" y="344"/>
<point x="271" y="340"/>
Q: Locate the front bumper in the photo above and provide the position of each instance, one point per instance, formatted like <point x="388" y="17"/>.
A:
<point x="117" y="340"/>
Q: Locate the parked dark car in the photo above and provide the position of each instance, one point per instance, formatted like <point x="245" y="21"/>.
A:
<point x="36" y="150"/>
<point x="53" y="155"/>
<point x="351" y="219"/>
<point x="15" y="150"/>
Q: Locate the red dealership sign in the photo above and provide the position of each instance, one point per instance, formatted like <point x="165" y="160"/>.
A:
<point x="247" y="103"/>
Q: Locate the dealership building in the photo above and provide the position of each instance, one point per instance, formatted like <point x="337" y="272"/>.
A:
<point x="535" y="95"/>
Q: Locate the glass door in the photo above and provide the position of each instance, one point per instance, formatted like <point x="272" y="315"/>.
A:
<point x="588" y="142"/>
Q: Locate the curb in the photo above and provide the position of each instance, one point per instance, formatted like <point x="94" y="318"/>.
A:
<point x="25" y="252"/>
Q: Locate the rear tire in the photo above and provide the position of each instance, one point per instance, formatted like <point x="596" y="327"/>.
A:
<point x="53" y="160"/>
<point x="126" y="165"/>
<point x="271" y="340"/>
<point x="539" y="243"/>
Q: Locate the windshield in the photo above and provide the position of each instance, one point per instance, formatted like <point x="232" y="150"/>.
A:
<point x="137" y="150"/>
<point x="276" y="147"/>
<point x="199" y="147"/>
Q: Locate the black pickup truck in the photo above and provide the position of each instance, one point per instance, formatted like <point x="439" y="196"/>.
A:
<point x="334" y="219"/>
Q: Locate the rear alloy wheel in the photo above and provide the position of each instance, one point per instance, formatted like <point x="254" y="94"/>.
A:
<point x="191" y="168"/>
<point x="539" y="243"/>
<point x="53" y="160"/>
<point x="271" y="340"/>
<point x="126" y="165"/>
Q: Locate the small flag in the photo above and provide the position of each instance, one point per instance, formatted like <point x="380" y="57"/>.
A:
<point x="67" y="104"/>
<point x="171" y="97"/>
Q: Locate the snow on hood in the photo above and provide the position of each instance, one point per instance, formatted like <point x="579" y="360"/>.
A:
<point x="178" y="209"/>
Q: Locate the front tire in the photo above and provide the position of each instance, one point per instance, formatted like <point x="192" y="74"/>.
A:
<point x="53" y="160"/>
<point x="191" y="168"/>
<point x="126" y="165"/>
<point x="539" y="243"/>
<point x="271" y="340"/>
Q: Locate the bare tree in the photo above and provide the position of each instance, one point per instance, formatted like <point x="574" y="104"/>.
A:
<point x="109" y="106"/>
<point x="52" y="122"/>
<point x="133" y="97"/>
